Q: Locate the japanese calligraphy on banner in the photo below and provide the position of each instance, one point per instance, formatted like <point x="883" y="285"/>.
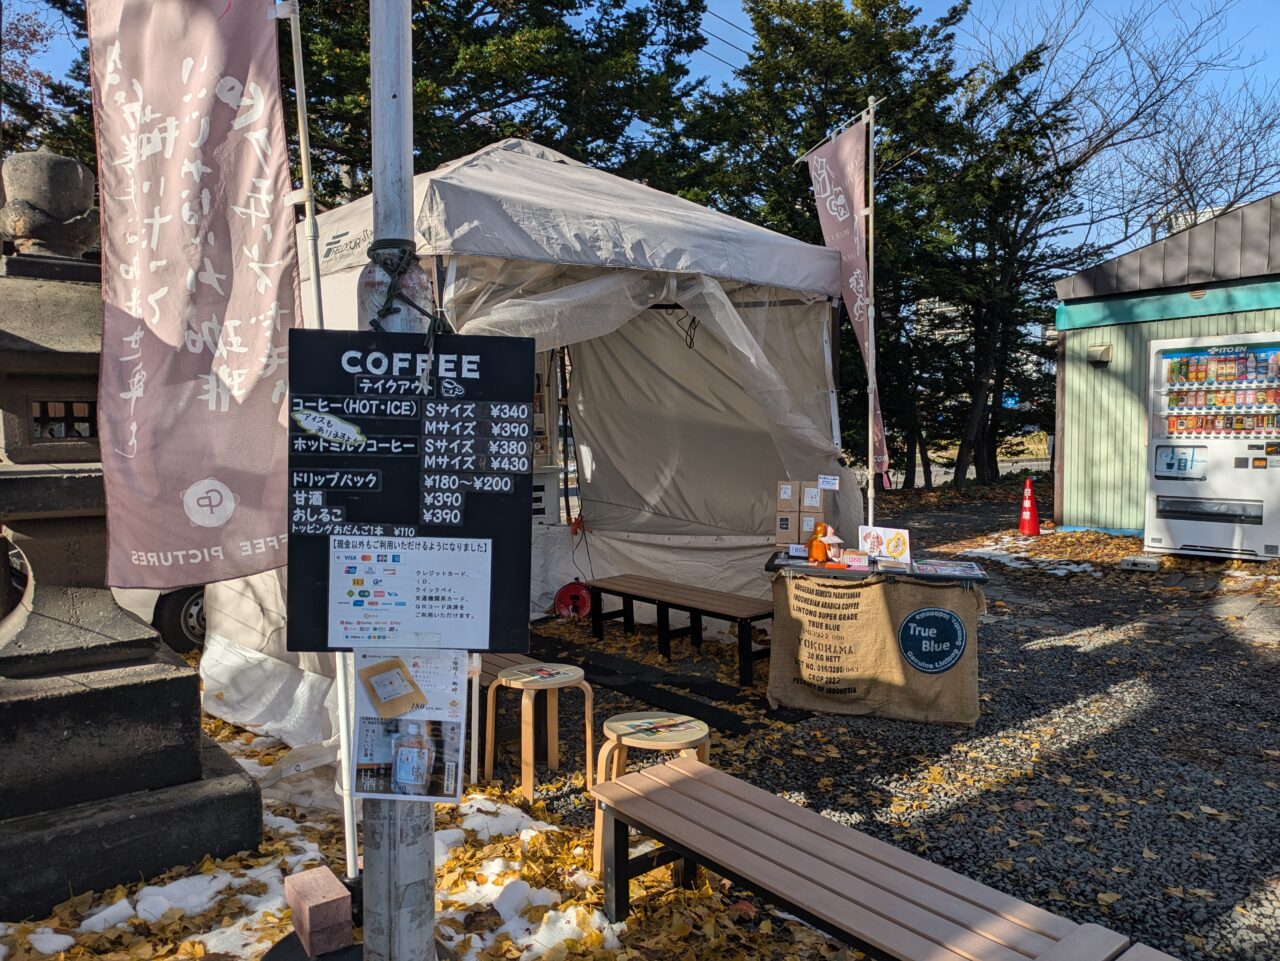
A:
<point x="199" y="279"/>
<point x="838" y="170"/>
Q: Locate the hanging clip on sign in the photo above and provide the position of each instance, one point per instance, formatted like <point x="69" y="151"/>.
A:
<point x="409" y="510"/>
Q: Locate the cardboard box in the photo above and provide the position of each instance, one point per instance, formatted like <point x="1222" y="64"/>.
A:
<point x="788" y="496"/>
<point x="807" y="524"/>
<point x="814" y="500"/>
<point x="786" y="527"/>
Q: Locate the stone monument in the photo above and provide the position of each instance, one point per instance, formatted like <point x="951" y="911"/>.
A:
<point x="107" y="777"/>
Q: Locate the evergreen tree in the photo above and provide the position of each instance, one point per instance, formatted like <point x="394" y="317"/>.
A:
<point x="587" y="77"/>
<point x="813" y="67"/>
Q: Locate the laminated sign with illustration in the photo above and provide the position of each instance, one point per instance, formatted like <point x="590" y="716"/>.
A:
<point x="410" y="722"/>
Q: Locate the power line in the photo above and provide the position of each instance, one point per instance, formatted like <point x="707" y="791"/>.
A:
<point x="732" y="24"/>
<point x="734" y="67"/>
<point x="715" y="36"/>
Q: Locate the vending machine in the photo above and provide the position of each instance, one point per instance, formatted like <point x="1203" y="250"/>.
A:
<point x="1213" y="456"/>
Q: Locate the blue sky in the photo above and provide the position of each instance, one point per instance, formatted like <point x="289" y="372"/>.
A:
<point x="728" y="33"/>
<point x="1245" y="24"/>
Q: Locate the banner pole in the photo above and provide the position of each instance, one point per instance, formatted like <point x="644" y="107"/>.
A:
<point x="310" y="229"/>
<point x="399" y="836"/>
<point x="871" y="311"/>
<point x="311" y="233"/>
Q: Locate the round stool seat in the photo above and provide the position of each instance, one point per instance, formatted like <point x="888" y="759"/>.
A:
<point x="530" y="680"/>
<point x="645" y="731"/>
<point x="656" y="730"/>
<point x="540" y="677"/>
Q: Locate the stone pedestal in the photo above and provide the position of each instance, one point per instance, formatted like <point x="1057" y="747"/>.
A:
<point x="107" y="777"/>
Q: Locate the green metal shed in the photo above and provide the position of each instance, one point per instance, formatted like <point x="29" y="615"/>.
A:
<point x="1220" y="277"/>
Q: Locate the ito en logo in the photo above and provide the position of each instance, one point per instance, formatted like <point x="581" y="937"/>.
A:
<point x="209" y="503"/>
<point x="932" y="639"/>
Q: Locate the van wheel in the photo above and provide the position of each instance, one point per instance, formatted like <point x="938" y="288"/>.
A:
<point x="179" y="617"/>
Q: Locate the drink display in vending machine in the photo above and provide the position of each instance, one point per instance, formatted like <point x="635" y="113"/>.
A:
<point x="1213" y="481"/>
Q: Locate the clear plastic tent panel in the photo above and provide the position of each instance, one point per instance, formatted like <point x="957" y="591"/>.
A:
<point x="672" y="438"/>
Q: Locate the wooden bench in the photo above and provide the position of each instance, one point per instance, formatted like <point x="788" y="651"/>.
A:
<point x="858" y="889"/>
<point x="697" y="602"/>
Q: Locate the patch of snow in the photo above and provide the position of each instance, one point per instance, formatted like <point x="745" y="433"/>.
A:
<point x="491" y="820"/>
<point x="583" y="879"/>
<point x="1057" y="568"/>
<point x="237" y="939"/>
<point x="572" y="924"/>
<point x="446" y="841"/>
<point x="191" y="895"/>
<point x="518" y="896"/>
<point x="109" y="916"/>
<point x="496" y="867"/>
<point x="309" y="852"/>
<point x="280" y="824"/>
<point x="47" y="941"/>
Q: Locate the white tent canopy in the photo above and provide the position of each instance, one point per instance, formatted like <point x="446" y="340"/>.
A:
<point x="515" y="200"/>
<point x="701" y="350"/>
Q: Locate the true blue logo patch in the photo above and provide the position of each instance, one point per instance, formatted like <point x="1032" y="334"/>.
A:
<point x="932" y="639"/>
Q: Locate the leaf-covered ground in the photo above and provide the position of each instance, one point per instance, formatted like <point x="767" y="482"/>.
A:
<point x="1124" y="771"/>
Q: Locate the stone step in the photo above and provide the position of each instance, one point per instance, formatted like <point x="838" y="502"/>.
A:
<point x="72" y="628"/>
<point x="96" y="732"/>
<point x="46" y="858"/>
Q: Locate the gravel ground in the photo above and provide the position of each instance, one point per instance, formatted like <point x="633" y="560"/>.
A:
<point x="1124" y="770"/>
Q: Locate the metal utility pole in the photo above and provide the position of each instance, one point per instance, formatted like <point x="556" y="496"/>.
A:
<point x="399" y="836"/>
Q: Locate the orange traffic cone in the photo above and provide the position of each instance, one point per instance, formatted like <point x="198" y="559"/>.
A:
<point x="1029" y="524"/>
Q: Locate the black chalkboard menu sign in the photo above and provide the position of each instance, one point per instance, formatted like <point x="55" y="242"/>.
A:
<point x="410" y="491"/>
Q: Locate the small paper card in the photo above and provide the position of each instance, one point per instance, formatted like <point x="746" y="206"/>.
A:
<point x="889" y="543"/>
<point x="829" y="482"/>
<point x="797" y="550"/>
<point x="392" y="690"/>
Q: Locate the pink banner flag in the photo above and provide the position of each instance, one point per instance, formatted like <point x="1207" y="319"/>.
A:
<point x="838" y="170"/>
<point x="199" y="280"/>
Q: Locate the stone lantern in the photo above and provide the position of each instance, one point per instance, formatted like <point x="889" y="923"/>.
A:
<point x="106" y="774"/>
<point x="50" y="204"/>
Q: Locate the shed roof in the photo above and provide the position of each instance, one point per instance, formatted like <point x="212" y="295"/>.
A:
<point x="1240" y="244"/>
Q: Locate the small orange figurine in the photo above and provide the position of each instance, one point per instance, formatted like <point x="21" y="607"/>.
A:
<point x="817" y="549"/>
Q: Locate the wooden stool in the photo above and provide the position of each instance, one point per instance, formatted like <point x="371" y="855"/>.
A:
<point x="647" y="731"/>
<point x="529" y="679"/>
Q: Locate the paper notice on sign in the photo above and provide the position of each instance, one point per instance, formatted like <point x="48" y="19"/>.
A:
<point x="415" y="754"/>
<point x="409" y="592"/>
<point x="828" y="482"/>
